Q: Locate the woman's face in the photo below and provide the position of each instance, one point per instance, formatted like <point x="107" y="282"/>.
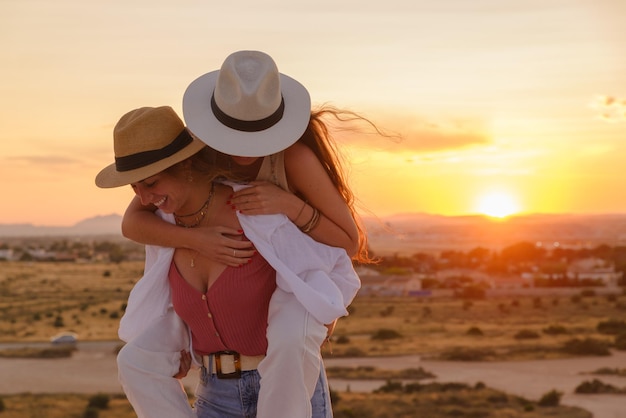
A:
<point x="244" y="161"/>
<point x="164" y="190"/>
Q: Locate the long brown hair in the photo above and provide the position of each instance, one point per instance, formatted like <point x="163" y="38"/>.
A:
<point x="201" y="166"/>
<point x="319" y="139"/>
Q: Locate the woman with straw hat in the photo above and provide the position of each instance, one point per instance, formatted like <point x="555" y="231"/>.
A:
<point x="260" y="122"/>
<point x="173" y="171"/>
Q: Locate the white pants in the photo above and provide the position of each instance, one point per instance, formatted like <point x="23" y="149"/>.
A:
<point x="145" y="367"/>
<point x="289" y="372"/>
<point x="291" y="368"/>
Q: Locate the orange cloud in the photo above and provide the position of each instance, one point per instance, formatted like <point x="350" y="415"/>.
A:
<point x="417" y="135"/>
<point x="609" y="108"/>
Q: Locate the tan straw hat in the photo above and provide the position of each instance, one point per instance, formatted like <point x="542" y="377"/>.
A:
<point x="247" y="108"/>
<point x="146" y="141"/>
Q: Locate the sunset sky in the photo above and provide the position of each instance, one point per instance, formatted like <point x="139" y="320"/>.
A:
<point x="515" y="106"/>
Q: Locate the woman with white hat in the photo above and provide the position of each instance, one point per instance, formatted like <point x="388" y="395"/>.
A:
<point x="248" y="110"/>
<point x="173" y="171"/>
<point x="293" y="159"/>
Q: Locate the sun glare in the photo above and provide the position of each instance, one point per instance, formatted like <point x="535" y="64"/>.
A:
<point x="497" y="205"/>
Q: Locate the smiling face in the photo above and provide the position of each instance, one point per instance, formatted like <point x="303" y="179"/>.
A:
<point x="168" y="190"/>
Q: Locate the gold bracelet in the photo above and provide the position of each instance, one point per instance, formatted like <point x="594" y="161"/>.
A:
<point x="312" y="223"/>
<point x="315" y="222"/>
<point x="305" y="228"/>
<point x="299" y="212"/>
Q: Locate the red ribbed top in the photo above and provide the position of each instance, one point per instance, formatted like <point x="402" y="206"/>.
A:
<point x="232" y="314"/>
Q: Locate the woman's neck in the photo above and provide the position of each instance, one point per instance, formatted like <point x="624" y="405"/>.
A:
<point x="246" y="172"/>
<point x="193" y="212"/>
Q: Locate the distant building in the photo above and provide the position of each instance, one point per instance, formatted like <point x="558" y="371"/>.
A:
<point x="390" y="285"/>
<point x="476" y="276"/>
<point x="511" y="282"/>
<point x="594" y="269"/>
<point x="40" y="254"/>
<point x="7" y="254"/>
<point x="64" y="256"/>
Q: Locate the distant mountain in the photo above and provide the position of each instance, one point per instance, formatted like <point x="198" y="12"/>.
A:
<point x="415" y="232"/>
<point x="98" y="225"/>
<point x="411" y="232"/>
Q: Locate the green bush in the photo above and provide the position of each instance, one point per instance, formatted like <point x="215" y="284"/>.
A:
<point x="99" y="401"/>
<point x="526" y="334"/>
<point x="354" y="352"/>
<point x="58" y="322"/>
<point x="595" y="386"/>
<point x="390" y="387"/>
<point x="342" y="339"/>
<point x="612" y="326"/>
<point x="91" y="412"/>
<point x="588" y="346"/>
<point x="475" y="331"/>
<point x="555" y="330"/>
<point x="552" y="398"/>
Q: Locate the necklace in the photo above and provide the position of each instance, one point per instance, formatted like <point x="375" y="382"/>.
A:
<point x="199" y="215"/>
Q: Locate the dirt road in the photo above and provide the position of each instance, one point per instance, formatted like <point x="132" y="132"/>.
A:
<point x="92" y="369"/>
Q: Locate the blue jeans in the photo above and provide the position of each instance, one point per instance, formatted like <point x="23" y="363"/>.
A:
<point x="237" y="398"/>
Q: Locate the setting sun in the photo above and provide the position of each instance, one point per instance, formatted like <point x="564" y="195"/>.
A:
<point x="497" y="205"/>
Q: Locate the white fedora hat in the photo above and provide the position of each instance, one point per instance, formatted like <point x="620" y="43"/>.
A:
<point x="247" y="108"/>
<point x="146" y="141"/>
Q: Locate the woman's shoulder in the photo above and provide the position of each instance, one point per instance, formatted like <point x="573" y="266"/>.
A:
<point x="299" y="155"/>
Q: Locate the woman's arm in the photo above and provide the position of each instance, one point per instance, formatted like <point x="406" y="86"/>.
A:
<point x="142" y="225"/>
<point x="306" y="177"/>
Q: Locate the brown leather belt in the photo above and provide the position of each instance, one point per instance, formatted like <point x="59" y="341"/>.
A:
<point x="230" y="364"/>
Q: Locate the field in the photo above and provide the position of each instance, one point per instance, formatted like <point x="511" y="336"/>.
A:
<point x="485" y="403"/>
<point x="38" y="300"/>
<point x="507" y="327"/>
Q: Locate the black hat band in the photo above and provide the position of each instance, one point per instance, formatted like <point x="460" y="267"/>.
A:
<point x="142" y="159"/>
<point x="248" y="125"/>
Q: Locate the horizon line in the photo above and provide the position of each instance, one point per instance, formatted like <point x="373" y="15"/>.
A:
<point x="367" y="216"/>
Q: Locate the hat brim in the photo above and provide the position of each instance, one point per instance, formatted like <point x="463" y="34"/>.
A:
<point x="110" y="177"/>
<point x="201" y="121"/>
